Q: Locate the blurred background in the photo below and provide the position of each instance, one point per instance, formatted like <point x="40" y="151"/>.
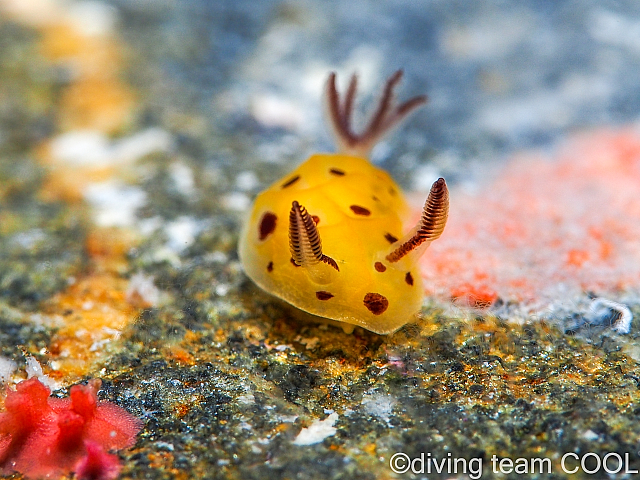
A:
<point x="500" y="75"/>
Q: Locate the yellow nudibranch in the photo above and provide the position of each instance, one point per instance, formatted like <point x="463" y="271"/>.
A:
<point x="328" y="238"/>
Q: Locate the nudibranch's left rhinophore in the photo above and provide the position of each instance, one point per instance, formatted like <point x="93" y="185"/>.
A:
<point x="329" y="238"/>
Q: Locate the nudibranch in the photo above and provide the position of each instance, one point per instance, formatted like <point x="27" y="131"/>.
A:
<point x="328" y="238"/>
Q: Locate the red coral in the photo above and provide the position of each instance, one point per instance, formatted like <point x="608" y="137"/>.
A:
<point x="42" y="436"/>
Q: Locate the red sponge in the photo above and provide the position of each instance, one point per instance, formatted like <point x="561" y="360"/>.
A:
<point x="42" y="436"/>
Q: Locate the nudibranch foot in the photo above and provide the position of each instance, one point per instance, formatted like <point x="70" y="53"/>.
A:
<point x="429" y="228"/>
<point x="386" y="116"/>
<point x="348" y="328"/>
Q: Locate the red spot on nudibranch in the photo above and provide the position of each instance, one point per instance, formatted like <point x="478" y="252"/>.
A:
<point x="270" y="267"/>
<point x="408" y="278"/>
<point x="42" y="436"/>
<point x="316" y="219"/>
<point x="337" y="171"/>
<point x="267" y="225"/>
<point x="376" y="303"/>
<point x="358" y="210"/>
<point x="390" y="238"/>
<point x="322" y="295"/>
<point x="291" y="181"/>
<point x="379" y="266"/>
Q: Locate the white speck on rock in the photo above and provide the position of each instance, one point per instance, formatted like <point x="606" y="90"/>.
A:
<point x="88" y="305"/>
<point x="317" y="431"/>
<point x="115" y="203"/>
<point x="247" y="180"/>
<point x="287" y="418"/>
<point x="222" y="289"/>
<point x="182" y="233"/>
<point x="92" y="148"/>
<point x="182" y="176"/>
<point x="142" y="291"/>
<point x="379" y="405"/>
<point x="217" y="257"/>
<point x="93" y="18"/>
<point x="615" y="29"/>
<point x="165" y="254"/>
<point x="310" y="343"/>
<point x="601" y="308"/>
<point x="81" y="148"/>
<point x="246" y="399"/>
<point x="590" y="435"/>
<point x="34" y="369"/>
<point x="7" y="367"/>
<point x="99" y="344"/>
<point x="149" y="226"/>
<point x="29" y="238"/>
<point x="273" y="111"/>
<point x="165" y="446"/>
<point x="236" y="201"/>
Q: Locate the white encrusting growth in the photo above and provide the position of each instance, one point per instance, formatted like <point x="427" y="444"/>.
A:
<point x="317" y="431"/>
<point x="92" y="18"/>
<point x="142" y="291"/>
<point x="34" y="369"/>
<point x="92" y="148"/>
<point x="379" y="405"/>
<point x="111" y="333"/>
<point x="115" y="203"/>
<point x="236" y="201"/>
<point x="182" y="176"/>
<point x="182" y="232"/>
<point x="247" y="181"/>
<point x="601" y="307"/>
<point x="7" y="367"/>
<point x="273" y="111"/>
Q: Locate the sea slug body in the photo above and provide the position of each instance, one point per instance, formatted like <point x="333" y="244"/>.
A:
<point x="330" y="237"/>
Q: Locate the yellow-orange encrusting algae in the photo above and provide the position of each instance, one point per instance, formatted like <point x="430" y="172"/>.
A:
<point x="80" y="38"/>
<point x="94" y="310"/>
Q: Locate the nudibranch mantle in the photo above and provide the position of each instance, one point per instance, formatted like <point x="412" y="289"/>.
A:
<point x="329" y="238"/>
